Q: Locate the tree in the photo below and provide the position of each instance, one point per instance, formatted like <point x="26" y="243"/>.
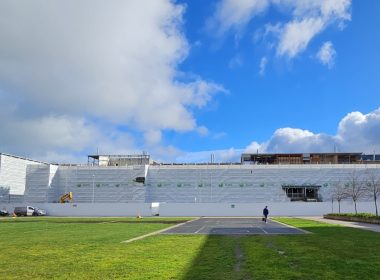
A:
<point x="355" y="187"/>
<point x="373" y="186"/>
<point x="338" y="192"/>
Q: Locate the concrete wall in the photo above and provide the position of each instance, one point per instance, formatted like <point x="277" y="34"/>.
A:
<point x="243" y="183"/>
<point x="256" y="209"/>
<point x="13" y="173"/>
<point x="89" y="209"/>
<point x="196" y="209"/>
<point x="38" y="187"/>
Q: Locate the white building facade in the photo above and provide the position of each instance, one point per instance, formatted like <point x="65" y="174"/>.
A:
<point x="188" y="189"/>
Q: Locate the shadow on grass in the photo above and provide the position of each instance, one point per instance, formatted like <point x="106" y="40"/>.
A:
<point x="332" y="252"/>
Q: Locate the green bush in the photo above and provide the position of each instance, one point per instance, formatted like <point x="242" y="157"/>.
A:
<point x="359" y="215"/>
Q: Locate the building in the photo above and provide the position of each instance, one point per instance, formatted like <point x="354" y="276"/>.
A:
<point x="304" y="158"/>
<point x="119" y="160"/>
<point x="278" y="179"/>
<point x="13" y="170"/>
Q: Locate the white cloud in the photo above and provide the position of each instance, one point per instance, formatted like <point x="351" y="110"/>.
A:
<point x="357" y="132"/>
<point x="360" y="131"/>
<point x="297" y="140"/>
<point x="263" y="65"/>
<point x="297" y="34"/>
<point x="253" y="147"/>
<point x="90" y="65"/>
<point x="152" y="137"/>
<point x="234" y="14"/>
<point x="327" y="54"/>
<point x="219" y="135"/>
<point x="308" y="19"/>
<point x="202" y="130"/>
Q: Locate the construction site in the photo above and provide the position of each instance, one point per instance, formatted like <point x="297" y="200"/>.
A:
<point x="135" y="184"/>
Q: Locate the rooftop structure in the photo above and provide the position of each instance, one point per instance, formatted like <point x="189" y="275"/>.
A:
<point x="119" y="160"/>
<point x="302" y="158"/>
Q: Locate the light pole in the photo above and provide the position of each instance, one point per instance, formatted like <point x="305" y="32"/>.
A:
<point x="93" y="187"/>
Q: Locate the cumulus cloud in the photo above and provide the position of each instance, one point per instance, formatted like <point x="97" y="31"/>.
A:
<point x="326" y="54"/>
<point x="357" y="132"/>
<point x="291" y="140"/>
<point x="360" y="131"/>
<point x="78" y="68"/>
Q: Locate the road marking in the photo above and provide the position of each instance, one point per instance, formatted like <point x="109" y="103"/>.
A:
<point x="200" y="229"/>
<point x="263" y="230"/>
<point x="155" y="232"/>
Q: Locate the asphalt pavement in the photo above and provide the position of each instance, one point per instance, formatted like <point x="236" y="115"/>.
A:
<point x="233" y="226"/>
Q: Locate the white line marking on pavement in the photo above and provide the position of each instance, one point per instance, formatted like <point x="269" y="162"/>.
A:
<point x="155" y="232"/>
<point x="200" y="229"/>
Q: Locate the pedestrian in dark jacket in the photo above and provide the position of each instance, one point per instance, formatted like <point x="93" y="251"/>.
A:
<point x="265" y="213"/>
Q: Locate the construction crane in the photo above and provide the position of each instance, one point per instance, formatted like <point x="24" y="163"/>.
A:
<point x="66" y="198"/>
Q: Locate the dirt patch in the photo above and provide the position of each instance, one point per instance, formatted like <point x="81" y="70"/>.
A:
<point x="240" y="262"/>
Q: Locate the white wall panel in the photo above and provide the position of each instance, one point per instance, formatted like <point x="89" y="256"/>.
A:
<point x="194" y="209"/>
<point x="13" y="173"/>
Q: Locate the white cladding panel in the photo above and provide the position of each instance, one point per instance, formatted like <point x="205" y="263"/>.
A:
<point x="243" y="183"/>
<point x="39" y="180"/>
<point x="13" y="173"/>
<point x="185" y="183"/>
<point x="101" y="184"/>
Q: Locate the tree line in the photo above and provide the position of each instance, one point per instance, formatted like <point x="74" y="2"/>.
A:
<point x="356" y="186"/>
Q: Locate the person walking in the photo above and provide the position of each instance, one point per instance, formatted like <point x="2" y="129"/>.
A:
<point x="265" y="213"/>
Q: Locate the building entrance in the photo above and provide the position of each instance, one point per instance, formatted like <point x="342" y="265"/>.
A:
<point x="302" y="193"/>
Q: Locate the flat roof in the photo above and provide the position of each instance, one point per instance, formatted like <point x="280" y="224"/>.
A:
<point x="119" y="156"/>
<point x="286" y="154"/>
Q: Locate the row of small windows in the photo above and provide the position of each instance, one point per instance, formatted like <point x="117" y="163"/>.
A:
<point x="98" y="185"/>
<point x="179" y="185"/>
<point x="200" y="185"/>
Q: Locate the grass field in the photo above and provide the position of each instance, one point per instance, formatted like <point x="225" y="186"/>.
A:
<point x="91" y="248"/>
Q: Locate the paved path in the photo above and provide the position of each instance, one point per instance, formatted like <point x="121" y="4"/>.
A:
<point x="365" y="226"/>
<point x="233" y="226"/>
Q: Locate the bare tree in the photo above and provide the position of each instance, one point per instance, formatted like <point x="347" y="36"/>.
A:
<point x="339" y="192"/>
<point x="373" y="186"/>
<point x="355" y="187"/>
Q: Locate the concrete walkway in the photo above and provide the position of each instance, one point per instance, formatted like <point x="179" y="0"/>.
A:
<point x="365" y="226"/>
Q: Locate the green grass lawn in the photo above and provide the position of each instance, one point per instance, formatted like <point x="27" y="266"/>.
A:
<point x="91" y="248"/>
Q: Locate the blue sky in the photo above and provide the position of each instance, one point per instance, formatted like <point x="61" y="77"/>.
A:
<point x="184" y="79"/>
<point x="299" y="92"/>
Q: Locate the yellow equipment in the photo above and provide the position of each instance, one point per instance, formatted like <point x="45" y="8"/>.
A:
<point x="66" y="197"/>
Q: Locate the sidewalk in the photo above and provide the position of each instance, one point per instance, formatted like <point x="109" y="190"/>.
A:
<point x="365" y="226"/>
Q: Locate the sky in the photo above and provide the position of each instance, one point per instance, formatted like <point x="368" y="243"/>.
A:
<point x="182" y="80"/>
